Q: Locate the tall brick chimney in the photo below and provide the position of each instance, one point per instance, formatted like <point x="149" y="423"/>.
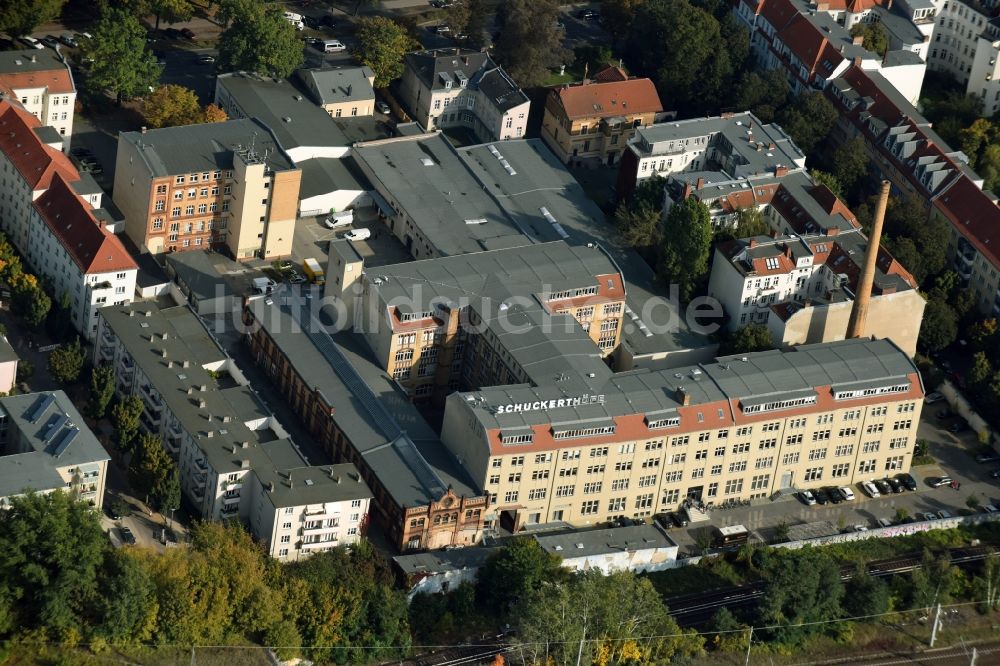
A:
<point x="859" y="311"/>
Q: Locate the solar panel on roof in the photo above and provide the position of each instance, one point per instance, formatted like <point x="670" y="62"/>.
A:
<point x="41" y="403"/>
<point x="55" y="422"/>
<point x="65" y="438"/>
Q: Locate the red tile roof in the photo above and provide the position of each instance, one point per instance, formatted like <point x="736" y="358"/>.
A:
<point x="610" y="73"/>
<point x="825" y="197"/>
<point x="613" y="98"/>
<point x="974" y="215"/>
<point x="778" y="12"/>
<point x="88" y="243"/>
<point x="53" y="80"/>
<point x="36" y="162"/>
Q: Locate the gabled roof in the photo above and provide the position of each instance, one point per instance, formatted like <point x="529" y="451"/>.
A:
<point x="35" y="68"/>
<point x="87" y="242"/>
<point x="606" y="99"/>
<point x="974" y="215"/>
<point x="35" y="161"/>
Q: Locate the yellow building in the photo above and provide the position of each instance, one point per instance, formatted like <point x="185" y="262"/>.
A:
<point x="741" y="427"/>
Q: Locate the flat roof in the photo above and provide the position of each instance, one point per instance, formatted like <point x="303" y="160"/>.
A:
<point x="286" y="108"/>
<point x="45" y="432"/>
<point x="204" y="147"/>
<point x="587" y="543"/>
<point x="374" y="414"/>
<point x="218" y="415"/>
<point x="322" y="175"/>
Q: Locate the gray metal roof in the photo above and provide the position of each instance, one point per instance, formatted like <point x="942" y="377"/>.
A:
<point x="322" y="175"/>
<point x="786" y="374"/>
<point x="44" y="432"/>
<point x="216" y="412"/>
<point x="434" y="66"/>
<point x="295" y="120"/>
<point x="440" y="561"/>
<point x="742" y="140"/>
<point x="374" y="414"/>
<point x="337" y="85"/>
<point x="205" y="147"/>
<point x="425" y="177"/>
<point x="31" y="60"/>
<point x="587" y="543"/>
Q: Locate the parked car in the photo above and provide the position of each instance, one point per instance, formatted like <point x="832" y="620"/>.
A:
<point x="383" y="108"/>
<point x="989" y="508"/>
<point x="908" y="481"/>
<point x="882" y="486"/>
<point x="834" y="494"/>
<point x="679" y="518"/>
<point x="821" y="496"/>
<point x="32" y="43"/>
<point x="206" y="59"/>
<point x="442" y="29"/>
<point x="187" y="33"/>
<point x="68" y="40"/>
<point x="938" y="481"/>
<point x="588" y="15"/>
<point x="859" y="528"/>
<point x="884" y="522"/>
<point x="847" y="493"/>
<point x="931" y="398"/>
<point x="807" y="498"/>
<point x="988" y="457"/>
<point x="358" y="234"/>
<point x="928" y="515"/>
<point x="285" y="265"/>
<point x="663" y="520"/>
<point x="870" y="489"/>
<point x="942" y="514"/>
<point x="624" y="521"/>
<point x="895" y="484"/>
<point x="297" y="278"/>
<point x="333" y="46"/>
<point x="50" y="41"/>
<point x="127" y="536"/>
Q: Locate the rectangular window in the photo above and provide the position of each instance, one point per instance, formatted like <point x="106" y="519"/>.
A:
<point x="840" y="470"/>
<point x="814" y="474"/>
<point x="734" y="486"/>
<point x="589" y="507"/>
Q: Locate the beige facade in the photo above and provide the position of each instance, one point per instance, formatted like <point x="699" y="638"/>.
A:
<point x="246" y="205"/>
<point x="635" y="464"/>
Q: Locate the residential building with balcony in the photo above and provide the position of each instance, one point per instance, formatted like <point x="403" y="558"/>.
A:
<point x="737" y="145"/>
<point x="225" y="185"/>
<point x="234" y="459"/>
<point x="802" y="287"/>
<point x="45" y="446"/>
<point x="50" y="219"/>
<point x="43" y="84"/>
<point x="740" y="427"/>
<point x="594" y="120"/>
<point x="455" y="87"/>
<point x="343" y="92"/>
<point x="965" y="45"/>
<point x="422" y="495"/>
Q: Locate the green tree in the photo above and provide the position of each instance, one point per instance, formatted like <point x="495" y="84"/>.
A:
<point x="975" y="137"/>
<point x="808" y="120"/>
<point x="152" y="472"/>
<point x="20" y="17"/>
<point x="617" y="16"/>
<point x="866" y="595"/>
<point x="258" y="39"/>
<point x="620" y="612"/>
<point x="850" y="163"/>
<point x="750" y="223"/>
<point x="827" y="179"/>
<point x="529" y="45"/>
<point x="382" y="43"/>
<point x="285" y="639"/>
<point x="874" y="37"/>
<point x="122" y="62"/>
<point x="800" y="587"/>
<point x="731" y="634"/>
<point x="751" y="338"/>
<point x="475" y="27"/>
<point x="66" y="362"/>
<point x="171" y="105"/>
<point x="51" y="550"/>
<point x="688" y="53"/>
<point x="764" y="93"/>
<point x="593" y="57"/>
<point x="980" y="373"/>
<point x="989" y="167"/>
<point x="171" y="11"/>
<point x="638" y="228"/>
<point x="125" y="416"/>
<point x="514" y="572"/>
<point x="983" y="333"/>
<point x="687" y="245"/>
<point x="939" y="327"/>
<point x="126" y="610"/>
<point x="102" y="389"/>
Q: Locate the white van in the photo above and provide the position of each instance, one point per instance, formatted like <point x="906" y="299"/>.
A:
<point x="358" y="234"/>
<point x="263" y="285"/>
<point x="338" y="220"/>
<point x="333" y="46"/>
<point x="295" y="19"/>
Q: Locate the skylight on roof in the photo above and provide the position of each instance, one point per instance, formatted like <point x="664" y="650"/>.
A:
<point x="426" y="161"/>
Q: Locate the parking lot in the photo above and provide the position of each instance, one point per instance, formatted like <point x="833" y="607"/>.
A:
<point x="381" y="248"/>
<point x="954" y="455"/>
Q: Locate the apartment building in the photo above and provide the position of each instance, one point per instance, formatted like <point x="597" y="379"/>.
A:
<point x="455" y="87"/>
<point x="906" y="151"/>
<point x="343" y="92"/>
<point x="965" y="45"/>
<point x="499" y="317"/>
<point x="45" y="446"/>
<point x="741" y="427"/>
<point x="225" y="185"/>
<point x="43" y="84"/>
<point x="738" y="146"/>
<point x="234" y="459"/>
<point x="54" y="227"/>
<point x="423" y="497"/>
<point x="593" y="121"/>
<point x="802" y="288"/>
<point x="813" y="45"/>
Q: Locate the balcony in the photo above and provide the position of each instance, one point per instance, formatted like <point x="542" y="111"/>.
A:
<point x="230" y="510"/>
<point x="202" y="465"/>
<point x="106" y="352"/>
<point x="230" y="500"/>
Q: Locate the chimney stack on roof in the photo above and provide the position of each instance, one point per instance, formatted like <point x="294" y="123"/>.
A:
<point x="683" y="396"/>
<point x="858" y="40"/>
<point x="859" y="310"/>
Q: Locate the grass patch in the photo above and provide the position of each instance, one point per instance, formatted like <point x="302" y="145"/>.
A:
<point x="923" y="460"/>
<point x="709" y="574"/>
<point x="559" y="79"/>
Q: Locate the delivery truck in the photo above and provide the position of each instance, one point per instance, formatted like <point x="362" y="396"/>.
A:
<point x="313" y="271"/>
